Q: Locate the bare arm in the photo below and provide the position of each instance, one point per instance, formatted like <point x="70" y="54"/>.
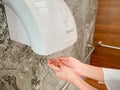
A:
<point x="92" y="72"/>
<point x="83" y="69"/>
<point x="82" y="85"/>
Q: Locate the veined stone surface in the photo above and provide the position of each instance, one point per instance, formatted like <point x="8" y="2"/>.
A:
<point x="22" y="69"/>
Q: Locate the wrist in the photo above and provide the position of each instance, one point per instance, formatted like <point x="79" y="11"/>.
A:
<point x="73" y="79"/>
<point x="81" y="69"/>
<point x="82" y="85"/>
<point x="76" y="82"/>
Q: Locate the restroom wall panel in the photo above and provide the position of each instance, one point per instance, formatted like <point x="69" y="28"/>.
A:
<point x="107" y="30"/>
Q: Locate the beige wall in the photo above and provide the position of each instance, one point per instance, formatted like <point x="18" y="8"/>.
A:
<point x="22" y="69"/>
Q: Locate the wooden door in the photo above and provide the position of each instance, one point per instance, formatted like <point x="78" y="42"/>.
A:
<point x="108" y="31"/>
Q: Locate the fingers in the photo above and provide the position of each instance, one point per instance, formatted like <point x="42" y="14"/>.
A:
<point x="54" y="67"/>
<point x="63" y="58"/>
<point x="52" y="63"/>
<point x="60" y="64"/>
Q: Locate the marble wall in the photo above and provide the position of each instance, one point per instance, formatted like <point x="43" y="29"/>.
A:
<point x="22" y="69"/>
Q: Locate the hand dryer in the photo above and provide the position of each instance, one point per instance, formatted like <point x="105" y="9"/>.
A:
<point x="47" y="26"/>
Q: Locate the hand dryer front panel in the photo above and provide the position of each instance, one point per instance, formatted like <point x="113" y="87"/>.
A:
<point x="47" y="25"/>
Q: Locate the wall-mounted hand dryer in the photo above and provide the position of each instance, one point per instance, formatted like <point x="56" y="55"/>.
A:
<point x="47" y="26"/>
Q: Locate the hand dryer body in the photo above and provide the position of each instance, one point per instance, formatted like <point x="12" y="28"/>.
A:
<point x="47" y="26"/>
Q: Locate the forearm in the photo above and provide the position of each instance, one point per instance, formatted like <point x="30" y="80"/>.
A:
<point x="92" y="72"/>
<point x="82" y="85"/>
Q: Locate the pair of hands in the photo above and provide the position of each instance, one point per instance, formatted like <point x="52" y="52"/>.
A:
<point x="65" y="68"/>
<point x="70" y="70"/>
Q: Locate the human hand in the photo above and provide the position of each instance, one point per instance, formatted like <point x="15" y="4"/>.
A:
<point x="82" y="69"/>
<point x="62" y="72"/>
<point x="68" y="74"/>
<point x="72" y="63"/>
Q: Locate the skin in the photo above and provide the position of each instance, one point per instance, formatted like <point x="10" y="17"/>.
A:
<point x="71" y="70"/>
<point x="82" y="69"/>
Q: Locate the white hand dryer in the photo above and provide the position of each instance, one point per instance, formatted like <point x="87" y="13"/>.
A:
<point x="47" y="26"/>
